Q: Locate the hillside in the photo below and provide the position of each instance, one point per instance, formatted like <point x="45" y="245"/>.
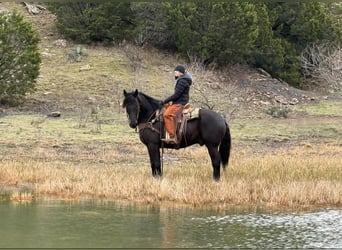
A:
<point x="97" y="80"/>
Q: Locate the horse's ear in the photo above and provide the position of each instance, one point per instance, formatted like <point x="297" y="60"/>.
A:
<point x="136" y="93"/>
<point x="124" y="92"/>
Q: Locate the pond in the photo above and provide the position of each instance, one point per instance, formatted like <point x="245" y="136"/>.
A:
<point x="90" y="224"/>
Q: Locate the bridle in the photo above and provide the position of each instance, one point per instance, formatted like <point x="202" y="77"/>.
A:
<point x="150" y="121"/>
<point x="138" y="110"/>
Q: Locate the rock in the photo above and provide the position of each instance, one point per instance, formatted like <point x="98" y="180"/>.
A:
<point x="281" y="99"/>
<point x="46" y="54"/>
<point x="293" y="101"/>
<point x="60" y="43"/>
<point x="34" y="8"/>
<point x="85" y="68"/>
<point x="54" y="114"/>
<point x="265" y="103"/>
<point x="263" y="72"/>
<point x="214" y="85"/>
<point x="4" y="11"/>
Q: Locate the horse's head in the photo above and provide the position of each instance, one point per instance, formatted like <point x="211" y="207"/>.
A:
<point x="131" y="103"/>
<point x="139" y="107"/>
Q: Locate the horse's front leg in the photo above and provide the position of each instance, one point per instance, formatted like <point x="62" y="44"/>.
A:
<point x="154" y="153"/>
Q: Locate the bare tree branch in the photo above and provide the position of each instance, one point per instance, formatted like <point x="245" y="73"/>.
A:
<point x="321" y="62"/>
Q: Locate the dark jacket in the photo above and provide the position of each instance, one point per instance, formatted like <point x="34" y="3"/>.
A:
<point x="182" y="88"/>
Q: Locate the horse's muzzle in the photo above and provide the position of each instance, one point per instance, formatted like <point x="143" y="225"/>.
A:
<point x="133" y="124"/>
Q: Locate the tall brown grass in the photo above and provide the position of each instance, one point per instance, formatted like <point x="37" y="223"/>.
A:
<point x="292" y="178"/>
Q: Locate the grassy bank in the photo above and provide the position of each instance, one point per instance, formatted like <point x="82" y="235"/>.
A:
<point x="296" y="178"/>
<point x="61" y="159"/>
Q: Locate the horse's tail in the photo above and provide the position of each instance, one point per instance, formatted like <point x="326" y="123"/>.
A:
<point x="225" y="147"/>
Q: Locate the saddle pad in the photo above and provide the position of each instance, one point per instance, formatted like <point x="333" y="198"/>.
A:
<point x="192" y="113"/>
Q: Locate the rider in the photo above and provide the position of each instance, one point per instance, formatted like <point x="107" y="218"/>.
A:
<point x="178" y="100"/>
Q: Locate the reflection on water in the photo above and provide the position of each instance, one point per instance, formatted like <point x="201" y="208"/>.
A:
<point x="311" y="230"/>
<point x="52" y="224"/>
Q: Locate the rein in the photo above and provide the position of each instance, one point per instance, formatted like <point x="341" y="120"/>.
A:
<point x="149" y="125"/>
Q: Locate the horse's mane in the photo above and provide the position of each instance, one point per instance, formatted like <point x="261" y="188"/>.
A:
<point x="152" y="101"/>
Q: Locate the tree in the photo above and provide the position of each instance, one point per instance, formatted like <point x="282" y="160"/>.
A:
<point x="183" y="22"/>
<point x="286" y="29"/>
<point x="304" y="24"/>
<point x="88" y="22"/>
<point x="322" y="64"/>
<point x="152" y="28"/>
<point x="214" y="32"/>
<point x="268" y="52"/>
<point x="19" y="58"/>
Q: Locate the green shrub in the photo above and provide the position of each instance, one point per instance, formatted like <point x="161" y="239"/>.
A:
<point x="77" y="54"/>
<point x="152" y="28"/>
<point x="298" y="25"/>
<point x="214" y="32"/>
<point x="19" y="58"/>
<point x="278" y="112"/>
<point x="88" y="22"/>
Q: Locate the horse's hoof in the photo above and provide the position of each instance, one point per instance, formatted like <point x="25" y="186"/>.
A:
<point x="217" y="178"/>
<point x="157" y="176"/>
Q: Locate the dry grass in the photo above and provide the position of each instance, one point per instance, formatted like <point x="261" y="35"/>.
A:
<point x="296" y="178"/>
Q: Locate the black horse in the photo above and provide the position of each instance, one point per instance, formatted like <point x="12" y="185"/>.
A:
<point x="209" y="129"/>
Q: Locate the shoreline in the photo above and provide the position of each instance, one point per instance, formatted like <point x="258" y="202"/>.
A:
<point x="296" y="179"/>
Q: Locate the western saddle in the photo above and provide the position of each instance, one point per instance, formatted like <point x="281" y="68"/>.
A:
<point x="187" y="114"/>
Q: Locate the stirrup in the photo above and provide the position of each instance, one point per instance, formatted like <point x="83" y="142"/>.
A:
<point x="169" y="140"/>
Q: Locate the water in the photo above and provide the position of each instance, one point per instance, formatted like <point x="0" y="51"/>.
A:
<point x="53" y="224"/>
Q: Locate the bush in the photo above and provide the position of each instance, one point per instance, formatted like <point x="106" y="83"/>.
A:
<point x="271" y="35"/>
<point x="278" y="112"/>
<point x="322" y="65"/>
<point x="88" y="22"/>
<point x="214" y="32"/>
<point x="152" y="28"/>
<point x="19" y="58"/>
<point x="299" y="25"/>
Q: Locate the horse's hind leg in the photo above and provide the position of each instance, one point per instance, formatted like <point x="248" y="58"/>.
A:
<point x="154" y="153"/>
<point x="215" y="161"/>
